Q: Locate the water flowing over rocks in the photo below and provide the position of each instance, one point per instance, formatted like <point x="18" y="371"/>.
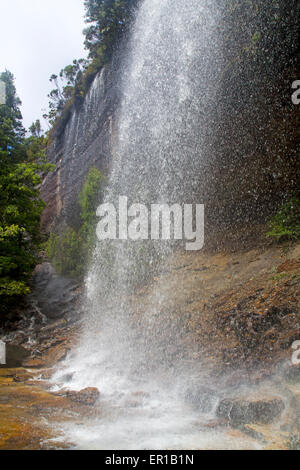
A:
<point x="269" y="411"/>
<point x="88" y="396"/>
<point x="238" y="412"/>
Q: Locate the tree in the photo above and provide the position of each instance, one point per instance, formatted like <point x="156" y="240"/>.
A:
<point x="36" y="129"/>
<point x="21" y="164"/>
<point x="68" y="87"/>
<point x="108" y="20"/>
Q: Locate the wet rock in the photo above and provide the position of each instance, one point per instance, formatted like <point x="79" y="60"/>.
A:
<point x="88" y="396"/>
<point x="56" y="354"/>
<point x="15" y="355"/>
<point x="34" y="363"/>
<point x="202" y="398"/>
<point x="236" y="379"/>
<point x="47" y="374"/>
<point x="240" y="412"/>
<point x="252" y="432"/>
<point x="292" y="373"/>
<point x="200" y="270"/>
<point x="289" y="265"/>
<point x="212" y="424"/>
<point x="22" y="377"/>
<point x="49" y="359"/>
<point x="54" y="295"/>
<point x="84" y="142"/>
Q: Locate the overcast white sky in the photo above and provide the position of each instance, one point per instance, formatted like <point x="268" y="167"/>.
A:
<point x="38" y="38"/>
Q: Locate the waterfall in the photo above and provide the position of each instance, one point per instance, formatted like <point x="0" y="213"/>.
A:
<point x="162" y="147"/>
<point x="161" y="154"/>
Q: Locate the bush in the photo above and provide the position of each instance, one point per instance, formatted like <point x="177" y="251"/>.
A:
<point x="22" y="164"/>
<point x="70" y="251"/>
<point x="65" y="252"/>
<point x="286" y="223"/>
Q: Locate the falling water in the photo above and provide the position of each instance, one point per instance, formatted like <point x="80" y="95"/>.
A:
<point x="161" y="153"/>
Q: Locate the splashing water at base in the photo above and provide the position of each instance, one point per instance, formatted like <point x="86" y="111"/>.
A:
<point x="138" y="413"/>
<point x="163" y="144"/>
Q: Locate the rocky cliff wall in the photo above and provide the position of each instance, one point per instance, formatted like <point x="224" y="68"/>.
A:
<point x="254" y="161"/>
<point x="85" y="141"/>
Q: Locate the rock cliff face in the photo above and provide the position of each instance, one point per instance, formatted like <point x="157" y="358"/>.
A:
<point x="85" y="141"/>
<point x="252" y="151"/>
<point x="238" y="184"/>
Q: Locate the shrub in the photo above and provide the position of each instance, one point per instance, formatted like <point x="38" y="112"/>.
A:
<point x="65" y="252"/>
<point x="70" y="251"/>
<point x="22" y="164"/>
<point x="286" y="223"/>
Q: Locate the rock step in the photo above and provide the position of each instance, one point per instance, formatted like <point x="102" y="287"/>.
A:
<point x="239" y="412"/>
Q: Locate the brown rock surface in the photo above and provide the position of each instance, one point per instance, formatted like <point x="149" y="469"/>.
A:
<point x="232" y="312"/>
<point x="238" y="411"/>
<point x="88" y="396"/>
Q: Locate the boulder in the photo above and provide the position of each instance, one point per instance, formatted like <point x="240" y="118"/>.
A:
<point x="54" y="295"/>
<point x="292" y="373"/>
<point x="239" y="412"/>
<point x="88" y="396"/>
<point x="15" y="355"/>
<point x="289" y="265"/>
<point x="49" y="359"/>
<point x="37" y="363"/>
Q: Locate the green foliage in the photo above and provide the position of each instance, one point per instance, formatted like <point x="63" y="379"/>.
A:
<point x="65" y="252"/>
<point x="22" y="162"/>
<point x="107" y="20"/>
<point x="36" y="129"/>
<point x="11" y="130"/>
<point x="286" y="223"/>
<point x="279" y="277"/>
<point x="90" y="195"/>
<point x="68" y="88"/>
<point x="70" y="251"/>
<point x="256" y="37"/>
<point x="12" y="289"/>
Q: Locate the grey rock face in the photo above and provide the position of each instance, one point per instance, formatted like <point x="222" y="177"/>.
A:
<point x="88" y="396"/>
<point x="239" y="412"/>
<point x="85" y="141"/>
<point x="55" y="295"/>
